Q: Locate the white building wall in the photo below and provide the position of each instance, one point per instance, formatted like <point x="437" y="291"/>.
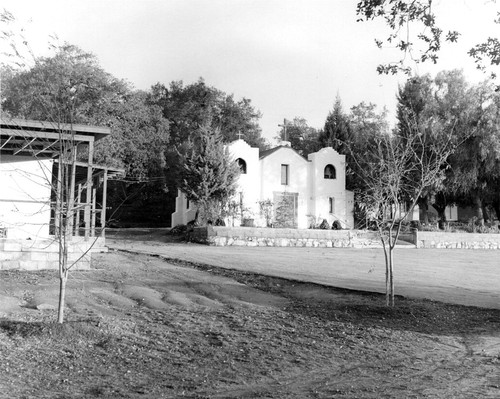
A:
<point x="324" y="189"/>
<point x="183" y="214"/>
<point x="248" y="184"/>
<point x="298" y="179"/>
<point x="25" y="187"/>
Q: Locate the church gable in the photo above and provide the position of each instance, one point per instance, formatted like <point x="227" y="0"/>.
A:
<point x="283" y="170"/>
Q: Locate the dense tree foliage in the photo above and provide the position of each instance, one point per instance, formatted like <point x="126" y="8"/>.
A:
<point x="367" y="125"/>
<point x="475" y="166"/>
<point x="302" y="137"/>
<point x="446" y="104"/>
<point x="414" y="111"/>
<point x="197" y="109"/>
<point x="71" y="87"/>
<point x="190" y="107"/>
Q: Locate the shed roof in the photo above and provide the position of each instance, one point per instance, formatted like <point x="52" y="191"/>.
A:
<point x="44" y="139"/>
<point x="97" y="170"/>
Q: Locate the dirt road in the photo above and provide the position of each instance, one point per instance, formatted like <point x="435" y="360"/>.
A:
<point x="140" y="327"/>
<point x="465" y="277"/>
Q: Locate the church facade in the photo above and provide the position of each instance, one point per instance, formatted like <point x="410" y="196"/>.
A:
<point x="280" y="188"/>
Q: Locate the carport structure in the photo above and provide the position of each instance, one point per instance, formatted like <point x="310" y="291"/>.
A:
<point x="43" y="182"/>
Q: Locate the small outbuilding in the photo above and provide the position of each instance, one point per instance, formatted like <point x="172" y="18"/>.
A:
<point x="31" y="159"/>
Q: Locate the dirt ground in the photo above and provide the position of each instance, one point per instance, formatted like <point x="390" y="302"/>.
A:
<point x="139" y="327"/>
<point x="461" y="276"/>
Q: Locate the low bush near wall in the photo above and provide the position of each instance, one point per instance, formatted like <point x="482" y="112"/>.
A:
<point x="458" y="227"/>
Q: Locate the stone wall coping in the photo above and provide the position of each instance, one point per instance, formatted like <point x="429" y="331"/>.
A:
<point x="243" y="232"/>
<point x="425" y="235"/>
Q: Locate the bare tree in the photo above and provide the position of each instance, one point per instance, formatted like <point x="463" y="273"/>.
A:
<point x="65" y="208"/>
<point x="54" y="97"/>
<point x="394" y="174"/>
<point x="54" y="147"/>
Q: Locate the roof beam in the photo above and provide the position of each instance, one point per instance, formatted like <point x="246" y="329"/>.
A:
<point x="44" y="149"/>
<point x="23" y="147"/>
<point x="30" y="125"/>
<point x="6" y="142"/>
<point x="47" y="135"/>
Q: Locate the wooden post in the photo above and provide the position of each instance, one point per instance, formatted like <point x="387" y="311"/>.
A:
<point x="94" y="211"/>
<point x="70" y="206"/>
<point x="88" y="196"/>
<point x="78" y="204"/>
<point x="57" y="211"/>
<point x="104" y="202"/>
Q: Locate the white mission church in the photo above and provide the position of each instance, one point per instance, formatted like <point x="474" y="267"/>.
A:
<point x="315" y="186"/>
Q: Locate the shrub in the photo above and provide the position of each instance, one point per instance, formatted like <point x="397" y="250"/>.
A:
<point x="178" y="230"/>
<point x="324" y="225"/>
<point x="336" y="225"/>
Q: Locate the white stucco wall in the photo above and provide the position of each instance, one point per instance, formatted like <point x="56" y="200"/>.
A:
<point x="183" y="214"/>
<point x="324" y="189"/>
<point x="248" y="183"/>
<point x="25" y="187"/>
<point x="298" y="179"/>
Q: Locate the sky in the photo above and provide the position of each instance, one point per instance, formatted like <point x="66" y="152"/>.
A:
<point x="291" y="58"/>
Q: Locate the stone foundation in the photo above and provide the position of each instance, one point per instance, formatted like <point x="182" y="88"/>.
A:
<point x="44" y="253"/>
<point x="267" y="237"/>
<point x="264" y="237"/>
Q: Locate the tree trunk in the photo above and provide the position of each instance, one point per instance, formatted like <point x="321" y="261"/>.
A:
<point x="196" y="220"/>
<point x="63" y="271"/>
<point x="423" y="204"/>
<point x="496" y="207"/>
<point x="391" y="274"/>
<point x="440" y="205"/>
<point x="478" y="209"/>
<point x="63" y="278"/>
<point x="441" y="211"/>
<point x="387" y="286"/>
<point x="486" y="216"/>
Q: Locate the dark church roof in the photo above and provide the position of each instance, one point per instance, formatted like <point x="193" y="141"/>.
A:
<point x="266" y="153"/>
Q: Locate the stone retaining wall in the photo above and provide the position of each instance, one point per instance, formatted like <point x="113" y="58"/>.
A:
<point x="437" y="239"/>
<point x="263" y="237"/>
<point x="44" y="253"/>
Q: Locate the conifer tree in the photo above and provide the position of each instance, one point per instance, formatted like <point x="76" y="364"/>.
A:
<point x="337" y="131"/>
<point x="208" y="175"/>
